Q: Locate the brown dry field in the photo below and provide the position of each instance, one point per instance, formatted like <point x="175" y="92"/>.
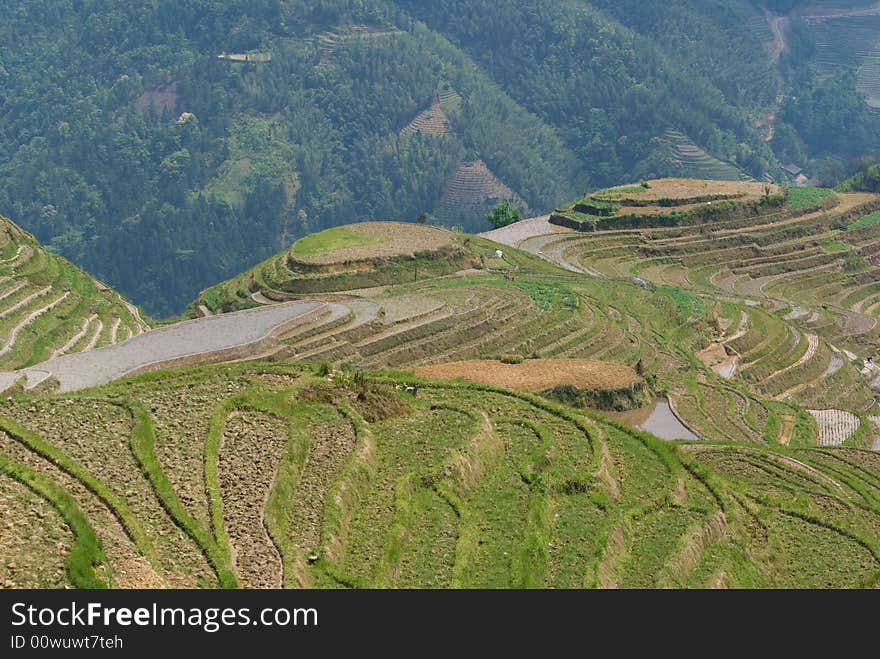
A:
<point x="675" y="188"/>
<point x="714" y="354"/>
<point x="397" y="239"/>
<point x="536" y="374"/>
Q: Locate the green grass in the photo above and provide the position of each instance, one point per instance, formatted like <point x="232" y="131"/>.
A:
<point x="86" y="559"/>
<point x="143" y="442"/>
<point x="212" y="478"/>
<point x="344" y="499"/>
<point x="548" y="295"/>
<point x="832" y="245"/>
<point x="331" y="240"/>
<point x="864" y="222"/>
<point x="799" y="198"/>
<point x="633" y="189"/>
<point x="687" y="304"/>
<point x="475" y="486"/>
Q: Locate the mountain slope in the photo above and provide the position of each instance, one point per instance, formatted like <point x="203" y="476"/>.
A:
<point x="49" y="307"/>
<point x="335" y="459"/>
<point x="164" y="198"/>
<point x="167" y="146"/>
<point x="361" y="484"/>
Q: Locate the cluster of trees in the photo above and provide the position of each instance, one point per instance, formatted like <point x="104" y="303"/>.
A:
<point x="164" y="197"/>
<point x="504" y="214"/>
<point x="611" y="75"/>
<point x="164" y="193"/>
<point x="824" y="122"/>
<point x="866" y="179"/>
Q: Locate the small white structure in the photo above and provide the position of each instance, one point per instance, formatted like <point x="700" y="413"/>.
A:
<point x="499" y="254"/>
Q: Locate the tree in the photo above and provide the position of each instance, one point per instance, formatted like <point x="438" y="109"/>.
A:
<point x="423" y="218"/>
<point x="503" y="214"/>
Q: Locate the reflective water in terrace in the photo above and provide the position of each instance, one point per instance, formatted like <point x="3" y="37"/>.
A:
<point x="656" y="419"/>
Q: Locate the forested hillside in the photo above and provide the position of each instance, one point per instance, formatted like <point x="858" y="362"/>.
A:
<point x="167" y="145"/>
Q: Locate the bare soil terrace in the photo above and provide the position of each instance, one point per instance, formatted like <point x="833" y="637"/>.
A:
<point x="683" y="189"/>
<point x="537" y="374"/>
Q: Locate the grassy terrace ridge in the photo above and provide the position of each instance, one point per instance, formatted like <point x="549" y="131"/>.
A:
<point x="360" y="256"/>
<point x="455" y="485"/>
<point x="714" y="319"/>
<point x="668" y="202"/>
<point x="753" y="328"/>
<point x="369" y="240"/>
<point x="49" y="307"/>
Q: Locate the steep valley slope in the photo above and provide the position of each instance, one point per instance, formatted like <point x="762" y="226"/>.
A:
<point x="191" y="139"/>
<point x="325" y="461"/>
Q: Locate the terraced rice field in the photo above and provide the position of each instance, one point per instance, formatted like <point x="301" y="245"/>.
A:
<point x="432" y="121"/>
<point x="536" y="375"/>
<point x="795" y="318"/>
<point x="850" y="42"/>
<point x="216" y="338"/>
<point x="49" y="308"/>
<point x="435" y="119"/>
<point x="331" y="41"/>
<point x="835" y="426"/>
<point x="471" y="192"/>
<point x="340" y="463"/>
<point x="563" y="317"/>
<point x="690" y="161"/>
<point x="357" y="256"/>
<point x="283" y="476"/>
<point x="534" y="309"/>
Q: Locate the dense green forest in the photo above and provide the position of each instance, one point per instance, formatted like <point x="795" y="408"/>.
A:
<point x="129" y="146"/>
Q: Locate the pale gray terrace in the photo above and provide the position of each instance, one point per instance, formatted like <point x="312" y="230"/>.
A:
<point x="193" y="338"/>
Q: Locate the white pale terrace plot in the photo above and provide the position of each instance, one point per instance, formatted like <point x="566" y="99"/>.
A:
<point x="835" y="426"/>
<point x="200" y="338"/>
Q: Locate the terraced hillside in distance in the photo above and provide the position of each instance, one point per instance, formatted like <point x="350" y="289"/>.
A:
<point x="49" y="307"/>
<point x="264" y="475"/>
<point x="785" y="288"/>
<point x="473" y="190"/>
<point x="663" y="384"/>
<point x="435" y="119"/>
<point x="689" y="160"/>
<point x="850" y="40"/>
<point x="332" y="40"/>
